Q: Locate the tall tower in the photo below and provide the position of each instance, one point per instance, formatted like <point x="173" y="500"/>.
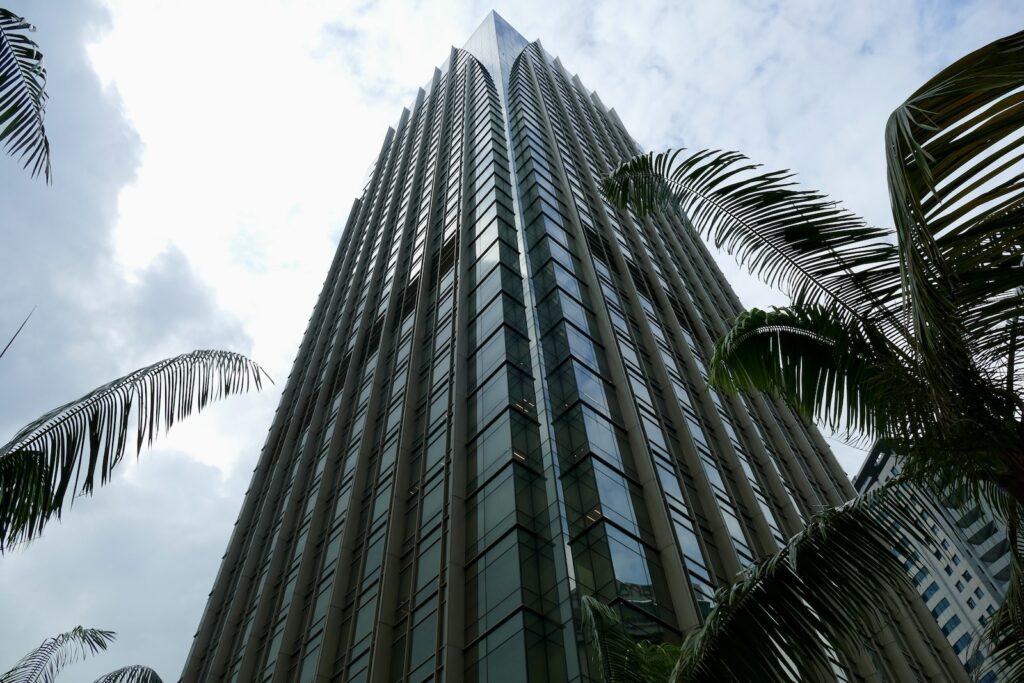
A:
<point x="500" y="405"/>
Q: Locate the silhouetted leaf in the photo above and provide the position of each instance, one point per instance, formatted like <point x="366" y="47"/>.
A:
<point x="73" y="448"/>
<point x="22" y="95"/>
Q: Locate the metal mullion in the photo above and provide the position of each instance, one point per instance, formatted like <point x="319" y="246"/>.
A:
<point x="862" y="664"/>
<point x="796" y="473"/>
<point x="683" y="606"/>
<point x="822" y="482"/>
<point x="368" y="221"/>
<point x="454" y="609"/>
<point x="354" y="526"/>
<point x="298" y="618"/>
<point x="574" y="658"/>
<point x="251" y="666"/>
<point x="391" y="563"/>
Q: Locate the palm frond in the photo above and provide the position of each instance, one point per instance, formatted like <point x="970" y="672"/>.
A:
<point x="955" y="161"/>
<point x="611" y="646"/>
<point x="794" y="239"/>
<point x="787" y="617"/>
<point x="838" y="370"/>
<point x="135" y="673"/>
<point x="22" y="95"/>
<point x="617" y="657"/>
<point x="17" y="332"/>
<point x="42" y="664"/>
<point x="71" y="449"/>
<point x="658" y="661"/>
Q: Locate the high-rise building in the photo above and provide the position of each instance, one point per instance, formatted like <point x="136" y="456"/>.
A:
<point x="961" y="572"/>
<point x="500" y="405"/>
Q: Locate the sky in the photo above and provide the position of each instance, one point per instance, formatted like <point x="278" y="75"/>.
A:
<point x="205" y="156"/>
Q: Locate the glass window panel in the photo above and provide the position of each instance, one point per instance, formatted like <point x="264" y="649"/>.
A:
<point x="492" y="510"/>
<point x="613" y="493"/>
<point x="374" y="555"/>
<point x="382" y="502"/>
<point x="365" y="617"/>
<point x="669" y="483"/>
<point x="429" y="565"/>
<point x="424" y="636"/>
<point x="581" y="430"/>
<point x="436" y="450"/>
<point x="432" y="501"/>
<point x="628" y="560"/>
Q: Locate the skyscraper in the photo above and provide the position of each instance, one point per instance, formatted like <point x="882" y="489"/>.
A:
<point x="499" y="405"/>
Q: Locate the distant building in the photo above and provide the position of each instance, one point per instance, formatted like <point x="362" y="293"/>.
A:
<point x="962" y="575"/>
<point x="500" y="404"/>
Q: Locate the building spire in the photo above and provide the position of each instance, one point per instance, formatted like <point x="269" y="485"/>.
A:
<point x="496" y="44"/>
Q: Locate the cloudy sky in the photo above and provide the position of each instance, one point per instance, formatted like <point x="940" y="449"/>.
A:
<point x="205" y="155"/>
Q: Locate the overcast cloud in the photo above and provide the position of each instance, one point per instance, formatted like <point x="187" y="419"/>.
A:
<point x="206" y="154"/>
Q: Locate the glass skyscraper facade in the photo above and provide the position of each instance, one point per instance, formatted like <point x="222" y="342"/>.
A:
<point x="500" y="405"/>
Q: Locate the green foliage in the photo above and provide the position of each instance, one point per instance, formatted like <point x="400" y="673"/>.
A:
<point x="615" y="656"/>
<point x="22" y="95"/>
<point x="774" y="229"/>
<point x="136" y="673"/>
<point x="70" y="450"/>
<point x="953" y="153"/>
<point x="909" y="335"/>
<point x="818" y="595"/>
<point x="42" y="664"/>
<point x="838" y="370"/>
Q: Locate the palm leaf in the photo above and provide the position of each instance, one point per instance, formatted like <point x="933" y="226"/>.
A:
<point x="71" y="449"/>
<point x="840" y="371"/>
<point x="786" y="618"/>
<point x="794" y="239"/>
<point x="135" y="673"/>
<point x="42" y="664"/>
<point x="658" y="661"/>
<point x="615" y="656"/>
<point x="17" y="332"/>
<point x="22" y="95"/>
<point x="612" y="648"/>
<point x="956" y="184"/>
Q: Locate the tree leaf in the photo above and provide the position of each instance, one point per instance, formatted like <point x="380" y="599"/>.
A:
<point x="794" y="239"/>
<point x="955" y="173"/>
<point x="22" y="95"/>
<point x="42" y="664"/>
<point x="838" y="370"/>
<point x="135" y="673"/>
<point x="72" y="449"/>
<point x="820" y="595"/>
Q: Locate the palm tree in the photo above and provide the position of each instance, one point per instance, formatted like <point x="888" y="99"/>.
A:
<point x="42" y="664"/>
<point x="22" y="95"/>
<point x="911" y="335"/>
<point x="70" y="450"/>
<point x="616" y="657"/>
